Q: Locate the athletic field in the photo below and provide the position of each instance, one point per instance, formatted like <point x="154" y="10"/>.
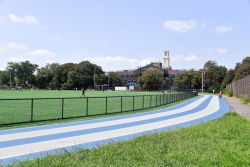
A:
<point x="34" y="105"/>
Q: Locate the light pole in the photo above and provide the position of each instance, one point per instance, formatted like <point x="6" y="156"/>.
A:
<point x="203" y="73"/>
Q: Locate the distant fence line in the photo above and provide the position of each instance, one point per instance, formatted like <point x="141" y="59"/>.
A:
<point x="14" y="111"/>
<point x="241" y="87"/>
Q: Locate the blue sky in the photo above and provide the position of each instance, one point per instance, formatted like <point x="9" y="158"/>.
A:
<point x="125" y="34"/>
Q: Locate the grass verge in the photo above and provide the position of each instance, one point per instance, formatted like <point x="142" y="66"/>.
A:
<point x="220" y="142"/>
<point x="23" y="125"/>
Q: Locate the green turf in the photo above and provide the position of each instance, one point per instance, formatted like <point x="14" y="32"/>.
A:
<point x="220" y="142"/>
<point x="11" y="126"/>
<point x="8" y="94"/>
<point x="14" y="110"/>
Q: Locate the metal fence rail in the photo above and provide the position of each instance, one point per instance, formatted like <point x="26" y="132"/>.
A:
<point x="241" y="87"/>
<point x="14" y="111"/>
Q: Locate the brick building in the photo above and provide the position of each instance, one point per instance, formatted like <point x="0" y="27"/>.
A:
<point x="165" y="68"/>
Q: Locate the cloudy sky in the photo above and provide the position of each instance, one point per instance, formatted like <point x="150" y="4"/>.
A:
<point x="125" y="34"/>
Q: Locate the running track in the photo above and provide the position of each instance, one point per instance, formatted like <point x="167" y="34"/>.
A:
<point x="20" y="144"/>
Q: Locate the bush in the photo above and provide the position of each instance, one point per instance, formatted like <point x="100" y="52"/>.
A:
<point x="245" y="100"/>
<point x="227" y="92"/>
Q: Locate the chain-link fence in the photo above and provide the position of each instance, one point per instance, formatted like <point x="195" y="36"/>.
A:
<point x="41" y="109"/>
<point x="241" y="87"/>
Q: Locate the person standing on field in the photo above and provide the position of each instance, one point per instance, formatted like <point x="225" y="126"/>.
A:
<point x="213" y="91"/>
<point x="83" y="92"/>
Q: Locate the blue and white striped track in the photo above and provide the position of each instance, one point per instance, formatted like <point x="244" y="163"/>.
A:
<point x="33" y="142"/>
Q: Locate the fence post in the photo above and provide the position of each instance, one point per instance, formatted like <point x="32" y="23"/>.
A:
<point x="143" y="102"/>
<point x="62" y="106"/>
<point x="121" y="103"/>
<point x="87" y="107"/>
<point x="133" y="103"/>
<point x="156" y="100"/>
<point x="106" y="109"/>
<point x="32" y="109"/>
<point x="160" y="100"/>
<point x="150" y="101"/>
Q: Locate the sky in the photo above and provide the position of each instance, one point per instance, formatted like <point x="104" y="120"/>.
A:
<point x="125" y="34"/>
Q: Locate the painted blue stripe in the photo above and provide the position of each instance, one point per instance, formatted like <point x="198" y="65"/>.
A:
<point x="11" y="143"/>
<point x="44" y="127"/>
<point x="224" y="108"/>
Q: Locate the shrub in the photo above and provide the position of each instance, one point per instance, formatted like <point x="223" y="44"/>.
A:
<point x="245" y="100"/>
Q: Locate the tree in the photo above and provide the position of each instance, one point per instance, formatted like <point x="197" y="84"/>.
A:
<point x="184" y="80"/>
<point x="214" y="75"/>
<point x="23" y="71"/>
<point x="4" y="77"/>
<point x="85" y="75"/>
<point x="196" y="81"/>
<point x="152" y="79"/>
<point x="228" y="79"/>
<point x="167" y="83"/>
<point x="242" y="69"/>
<point x="114" y="79"/>
<point x="61" y="72"/>
<point x="45" y="76"/>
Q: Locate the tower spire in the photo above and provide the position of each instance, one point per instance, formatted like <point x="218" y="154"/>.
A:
<point x="166" y="61"/>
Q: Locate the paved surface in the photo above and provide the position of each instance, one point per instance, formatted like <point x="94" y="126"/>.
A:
<point x="237" y="106"/>
<point x="20" y="144"/>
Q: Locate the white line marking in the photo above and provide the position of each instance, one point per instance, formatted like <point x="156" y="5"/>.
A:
<point x="71" y="141"/>
<point x="99" y="124"/>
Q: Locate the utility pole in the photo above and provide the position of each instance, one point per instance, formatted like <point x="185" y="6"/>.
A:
<point x="202" y="76"/>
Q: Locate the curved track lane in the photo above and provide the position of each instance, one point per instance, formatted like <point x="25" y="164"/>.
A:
<point x="33" y="142"/>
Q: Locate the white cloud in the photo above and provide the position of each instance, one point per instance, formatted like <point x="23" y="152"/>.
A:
<point x="222" y="29"/>
<point x="16" y="59"/>
<point x="192" y="58"/>
<point x="218" y="50"/>
<point x="41" y="52"/>
<point x="115" y="63"/>
<point x="222" y="50"/>
<point x="15" y="46"/>
<point x="25" y="19"/>
<point x="187" y="58"/>
<point x="180" y="25"/>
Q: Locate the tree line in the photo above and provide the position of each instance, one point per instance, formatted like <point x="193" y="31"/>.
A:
<point x="55" y="76"/>
<point x="215" y="77"/>
<point x="86" y="75"/>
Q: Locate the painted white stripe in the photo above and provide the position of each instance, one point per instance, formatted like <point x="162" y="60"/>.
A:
<point x="71" y="141"/>
<point x="100" y="124"/>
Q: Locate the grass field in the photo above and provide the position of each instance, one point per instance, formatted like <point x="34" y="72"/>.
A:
<point x="220" y="142"/>
<point x="23" y="110"/>
<point x="23" y="125"/>
<point x="9" y="94"/>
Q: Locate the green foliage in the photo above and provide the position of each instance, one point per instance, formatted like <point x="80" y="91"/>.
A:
<point x="214" y="76"/>
<point x="85" y="75"/>
<point x="227" y="92"/>
<point x="186" y="80"/>
<point x="4" y="78"/>
<point x="114" y="79"/>
<point x="245" y="100"/>
<point x="227" y="79"/>
<point x="152" y="79"/>
<point x="242" y="69"/>
<point x="22" y="73"/>
<point x="45" y="76"/>
<point x="61" y="75"/>
<point x="220" y="142"/>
